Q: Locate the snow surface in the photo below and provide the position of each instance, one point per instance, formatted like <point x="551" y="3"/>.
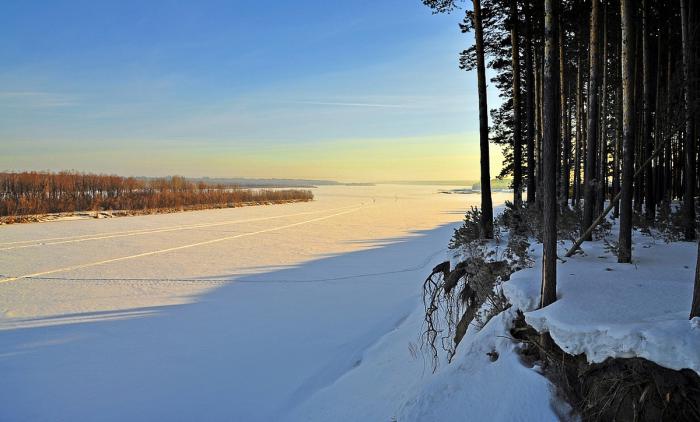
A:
<point x="302" y="312"/>
<point x="605" y="309"/>
<point x="239" y="314"/>
<point x="473" y="387"/>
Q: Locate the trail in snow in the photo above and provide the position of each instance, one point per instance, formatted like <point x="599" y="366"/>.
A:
<point x="111" y="235"/>
<point x="174" y="248"/>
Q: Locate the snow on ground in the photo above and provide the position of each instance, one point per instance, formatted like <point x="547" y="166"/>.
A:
<point x="473" y="387"/>
<point x="391" y="384"/>
<point x="302" y="312"/>
<point x="605" y="309"/>
<point x="237" y="314"/>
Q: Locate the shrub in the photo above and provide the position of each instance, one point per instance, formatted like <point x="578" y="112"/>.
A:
<point x="469" y="232"/>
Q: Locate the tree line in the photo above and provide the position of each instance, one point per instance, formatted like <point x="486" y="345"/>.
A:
<point x="32" y="193"/>
<point x="600" y="111"/>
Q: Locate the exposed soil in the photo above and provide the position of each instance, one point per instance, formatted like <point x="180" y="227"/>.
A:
<point x="632" y="389"/>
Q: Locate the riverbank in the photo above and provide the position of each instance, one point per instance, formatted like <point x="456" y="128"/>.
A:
<point x="82" y="215"/>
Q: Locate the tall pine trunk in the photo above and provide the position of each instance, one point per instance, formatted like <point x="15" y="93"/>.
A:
<point x="517" y="131"/>
<point x="530" y="109"/>
<point x="603" y="140"/>
<point x="592" y="131"/>
<point x="617" y="162"/>
<point x="486" y="204"/>
<point x="689" y="170"/>
<point x="549" y="157"/>
<point x="579" y="132"/>
<point x="647" y="145"/>
<point x="624" y="253"/>
<point x="538" y="128"/>
<point x="563" y="127"/>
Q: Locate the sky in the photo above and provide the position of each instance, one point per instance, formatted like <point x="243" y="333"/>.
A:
<point x="346" y="90"/>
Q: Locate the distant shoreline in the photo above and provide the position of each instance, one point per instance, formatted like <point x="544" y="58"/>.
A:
<point x="93" y="215"/>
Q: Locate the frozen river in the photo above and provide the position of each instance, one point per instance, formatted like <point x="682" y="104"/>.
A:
<point x="232" y="314"/>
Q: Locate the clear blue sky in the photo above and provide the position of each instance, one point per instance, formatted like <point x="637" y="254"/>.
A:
<point x="351" y="90"/>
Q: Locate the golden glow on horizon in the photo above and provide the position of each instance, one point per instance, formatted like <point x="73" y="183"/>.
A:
<point x="445" y="157"/>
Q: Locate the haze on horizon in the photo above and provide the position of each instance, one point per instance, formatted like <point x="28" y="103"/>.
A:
<point x="351" y="91"/>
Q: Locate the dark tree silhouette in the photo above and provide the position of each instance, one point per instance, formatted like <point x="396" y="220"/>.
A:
<point x="549" y="157"/>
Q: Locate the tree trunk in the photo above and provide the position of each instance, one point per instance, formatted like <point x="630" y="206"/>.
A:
<point x="592" y="132"/>
<point x="579" y="132"/>
<point x="695" y="306"/>
<point x="658" y="174"/>
<point x="668" y="132"/>
<point x="603" y="144"/>
<point x="638" y="88"/>
<point x="486" y="204"/>
<point x="530" y="108"/>
<point x="549" y="157"/>
<point x="538" y="128"/>
<point x="618" y="135"/>
<point x="689" y="191"/>
<point x="618" y="142"/>
<point x="517" y="131"/>
<point x="628" y="119"/>
<point x="566" y="141"/>
<point x="647" y="145"/>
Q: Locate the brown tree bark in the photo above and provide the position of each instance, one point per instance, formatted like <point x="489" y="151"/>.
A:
<point x="689" y="171"/>
<point x="647" y="144"/>
<point x="579" y="132"/>
<point x="603" y="138"/>
<point x="517" y="128"/>
<point x="695" y="306"/>
<point x="486" y="202"/>
<point x="565" y="168"/>
<point x="549" y="157"/>
<point x="530" y="109"/>
<point x="624" y="254"/>
<point x="617" y="162"/>
<point x="538" y="128"/>
<point x="592" y="131"/>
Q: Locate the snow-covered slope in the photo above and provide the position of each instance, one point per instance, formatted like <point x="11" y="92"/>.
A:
<point x="605" y="309"/>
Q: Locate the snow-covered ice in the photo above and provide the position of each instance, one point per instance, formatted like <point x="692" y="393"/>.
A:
<point x="237" y="314"/>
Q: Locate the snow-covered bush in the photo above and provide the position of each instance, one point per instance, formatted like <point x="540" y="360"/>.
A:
<point x="470" y="232"/>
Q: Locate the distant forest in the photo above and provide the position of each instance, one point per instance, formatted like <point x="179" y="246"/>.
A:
<point x="32" y="193"/>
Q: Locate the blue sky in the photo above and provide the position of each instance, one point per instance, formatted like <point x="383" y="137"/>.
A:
<point x="353" y="90"/>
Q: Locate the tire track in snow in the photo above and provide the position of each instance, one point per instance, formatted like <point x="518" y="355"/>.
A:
<point x="177" y="248"/>
<point x="129" y="233"/>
